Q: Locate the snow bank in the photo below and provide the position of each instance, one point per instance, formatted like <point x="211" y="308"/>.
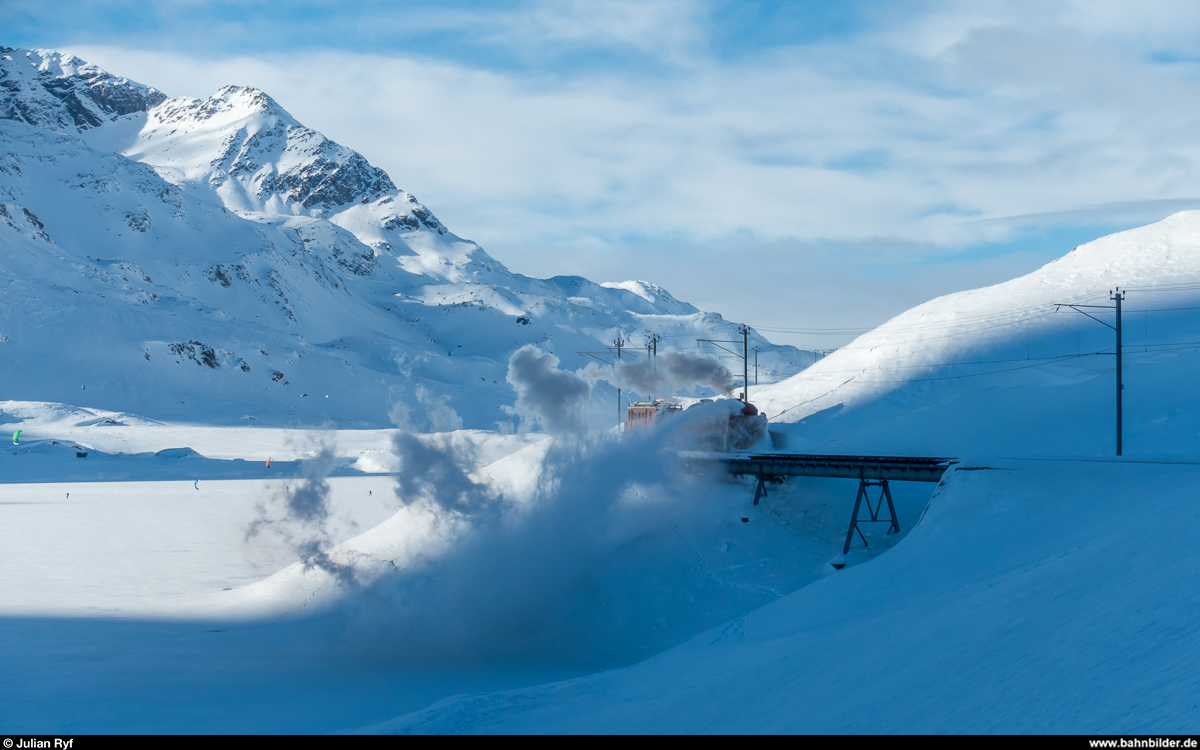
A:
<point x="1000" y="371"/>
<point x="1034" y="597"/>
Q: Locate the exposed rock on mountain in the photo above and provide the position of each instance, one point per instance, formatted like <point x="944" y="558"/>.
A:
<point x="134" y="227"/>
<point x="61" y="91"/>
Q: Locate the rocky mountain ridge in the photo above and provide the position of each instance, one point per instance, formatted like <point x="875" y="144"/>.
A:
<point x="58" y="92"/>
<point x="163" y="252"/>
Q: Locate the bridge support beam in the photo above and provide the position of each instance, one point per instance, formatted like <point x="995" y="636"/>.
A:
<point x="761" y="490"/>
<point x="873" y="511"/>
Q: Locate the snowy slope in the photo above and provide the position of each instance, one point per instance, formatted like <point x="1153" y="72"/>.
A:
<point x="148" y="487"/>
<point x="1001" y="612"/>
<point x="210" y="260"/>
<point x="1003" y="371"/>
<point x="257" y="158"/>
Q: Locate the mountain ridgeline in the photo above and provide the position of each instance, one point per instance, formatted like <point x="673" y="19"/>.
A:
<point x="216" y="260"/>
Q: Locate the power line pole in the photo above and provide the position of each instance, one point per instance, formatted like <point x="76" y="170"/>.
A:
<point x="654" y="370"/>
<point x="652" y="353"/>
<point x="1116" y="296"/>
<point x="619" y="343"/>
<point x="745" y="331"/>
<point x="757" y="349"/>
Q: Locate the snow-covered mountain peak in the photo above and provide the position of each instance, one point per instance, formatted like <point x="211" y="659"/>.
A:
<point x="248" y="107"/>
<point x="260" y="161"/>
<point x="61" y="65"/>
<point x="247" y="98"/>
<point x="257" y="156"/>
<point x="239" y="143"/>
<point x="651" y="292"/>
<point x="60" y="92"/>
<point x="233" y="256"/>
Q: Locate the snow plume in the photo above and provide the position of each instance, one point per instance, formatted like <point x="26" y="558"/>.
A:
<point x="439" y="415"/>
<point x="442" y="417"/>
<point x="553" y="397"/>
<point x="673" y="371"/>
<point x="599" y="566"/>
<point x="438" y="475"/>
<point x="399" y="414"/>
<point x="299" y="516"/>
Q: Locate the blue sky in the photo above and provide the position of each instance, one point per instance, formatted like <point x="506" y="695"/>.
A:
<point x="794" y="165"/>
<point x="451" y="29"/>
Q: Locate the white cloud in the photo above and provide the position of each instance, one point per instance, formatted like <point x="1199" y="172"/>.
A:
<point x="931" y="133"/>
<point x="795" y="145"/>
<point x="671" y="29"/>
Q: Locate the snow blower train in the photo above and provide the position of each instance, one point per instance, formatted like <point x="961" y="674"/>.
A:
<point x="728" y="425"/>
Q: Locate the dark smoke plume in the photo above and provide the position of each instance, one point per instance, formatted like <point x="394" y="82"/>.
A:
<point x="438" y="475"/>
<point x="299" y="515"/>
<point x="673" y="371"/>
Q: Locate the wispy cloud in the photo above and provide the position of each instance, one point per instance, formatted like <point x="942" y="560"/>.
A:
<point x="928" y="129"/>
<point x="787" y="147"/>
<point x="671" y="29"/>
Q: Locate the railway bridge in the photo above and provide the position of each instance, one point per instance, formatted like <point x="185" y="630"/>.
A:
<point x="870" y="471"/>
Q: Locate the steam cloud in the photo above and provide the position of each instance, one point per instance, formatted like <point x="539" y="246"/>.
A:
<point x="599" y="566"/>
<point x="675" y="370"/>
<point x="299" y="515"/>
<point x="439" y="476"/>
<point x="440" y="416"/>
<point x="555" y="398"/>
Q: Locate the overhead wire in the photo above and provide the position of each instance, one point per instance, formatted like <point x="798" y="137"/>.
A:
<point x="956" y="323"/>
<point x="925" y="365"/>
<point x="971" y="323"/>
<point x="1191" y="286"/>
<point x="1045" y="363"/>
<point x="999" y="317"/>
<point x="1042" y="362"/>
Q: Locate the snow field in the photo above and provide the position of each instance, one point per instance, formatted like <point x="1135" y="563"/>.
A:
<point x="605" y="552"/>
<point x="1034" y="597"/>
<point x="152" y="548"/>
<point x="549" y="573"/>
